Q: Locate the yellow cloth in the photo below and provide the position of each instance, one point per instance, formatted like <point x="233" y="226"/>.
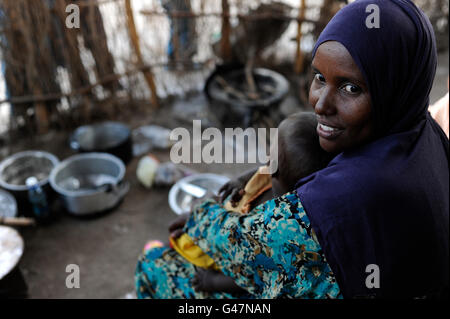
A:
<point x="186" y="248"/>
<point x="260" y="182"/>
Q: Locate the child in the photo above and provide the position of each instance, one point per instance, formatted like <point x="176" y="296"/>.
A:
<point x="299" y="155"/>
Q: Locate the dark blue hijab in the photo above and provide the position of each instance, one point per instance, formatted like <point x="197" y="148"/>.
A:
<point x="387" y="202"/>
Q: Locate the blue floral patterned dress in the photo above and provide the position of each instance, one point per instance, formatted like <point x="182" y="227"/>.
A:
<point x="271" y="252"/>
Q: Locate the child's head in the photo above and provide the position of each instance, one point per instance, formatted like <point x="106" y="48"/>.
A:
<point x="299" y="151"/>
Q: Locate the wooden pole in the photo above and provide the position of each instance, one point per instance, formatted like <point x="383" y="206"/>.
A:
<point x="225" y="44"/>
<point x="40" y="109"/>
<point x="148" y="75"/>
<point x="299" y="58"/>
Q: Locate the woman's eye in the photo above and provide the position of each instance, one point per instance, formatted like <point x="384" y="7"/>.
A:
<point x="319" y="77"/>
<point x="352" y="89"/>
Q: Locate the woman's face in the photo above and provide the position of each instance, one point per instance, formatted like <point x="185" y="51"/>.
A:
<point x="340" y="98"/>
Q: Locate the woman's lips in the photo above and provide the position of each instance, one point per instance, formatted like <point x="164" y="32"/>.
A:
<point x="328" y="132"/>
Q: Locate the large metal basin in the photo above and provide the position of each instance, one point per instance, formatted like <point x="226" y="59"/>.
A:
<point x="15" y="169"/>
<point x="90" y="183"/>
<point x="107" y="137"/>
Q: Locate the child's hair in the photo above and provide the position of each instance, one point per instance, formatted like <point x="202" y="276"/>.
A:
<point x="299" y="151"/>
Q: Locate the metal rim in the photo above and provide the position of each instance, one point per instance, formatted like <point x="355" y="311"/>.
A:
<point x="67" y="161"/>
<point x="6" y="162"/>
<point x="281" y="83"/>
<point x="175" y="188"/>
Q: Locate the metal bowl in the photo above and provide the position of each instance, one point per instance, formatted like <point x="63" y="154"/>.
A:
<point x="89" y="183"/>
<point x="107" y="137"/>
<point x="180" y="201"/>
<point x="15" y="169"/>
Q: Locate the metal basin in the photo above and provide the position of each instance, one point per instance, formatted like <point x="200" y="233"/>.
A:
<point x="107" y="137"/>
<point x="180" y="201"/>
<point x="90" y="183"/>
<point x="14" y="171"/>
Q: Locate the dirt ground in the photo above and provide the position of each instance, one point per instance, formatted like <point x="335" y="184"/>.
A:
<point x="106" y="248"/>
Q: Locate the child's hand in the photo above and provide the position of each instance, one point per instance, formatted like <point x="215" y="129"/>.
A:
<point x="235" y="188"/>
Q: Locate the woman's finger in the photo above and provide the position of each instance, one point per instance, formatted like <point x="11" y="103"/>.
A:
<point x="223" y="197"/>
<point x="224" y="188"/>
<point x="236" y="195"/>
<point x="225" y="192"/>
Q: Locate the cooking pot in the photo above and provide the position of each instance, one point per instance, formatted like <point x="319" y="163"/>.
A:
<point x="89" y="183"/>
<point x="107" y="137"/>
<point x="15" y="169"/>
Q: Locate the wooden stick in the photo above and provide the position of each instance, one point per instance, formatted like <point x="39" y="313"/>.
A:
<point x="299" y="55"/>
<point x="253" y="92"/>
<point x="225" y="44"/>
<point x="32" y="76"/>
<point x="137" y="48"/>
<point x="17" y="221"/>
<point x="229" y="89"/>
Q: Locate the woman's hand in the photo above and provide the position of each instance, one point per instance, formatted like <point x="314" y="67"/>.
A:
<point x="235" y="188"/>
<point x="204" y="280"/>
<point x="176" y="227"/>
<point x="214" y="281"/>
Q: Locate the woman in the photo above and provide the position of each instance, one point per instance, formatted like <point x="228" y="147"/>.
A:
<point x="383" y="200"/>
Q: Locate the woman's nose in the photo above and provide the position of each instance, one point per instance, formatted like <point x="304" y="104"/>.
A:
<point x="324" y="104"/>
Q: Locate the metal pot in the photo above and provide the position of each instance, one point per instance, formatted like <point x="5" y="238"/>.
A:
<point x="107" y="137"/>
<point x="15" y="169"/>
<point x="90" y="183"/>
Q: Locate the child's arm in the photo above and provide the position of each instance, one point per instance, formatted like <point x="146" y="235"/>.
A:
<point x="214" y="281"/>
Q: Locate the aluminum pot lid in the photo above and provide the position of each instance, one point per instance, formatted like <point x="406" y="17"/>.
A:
<point x="8" y="204"/>
<point x="11" y="249"/>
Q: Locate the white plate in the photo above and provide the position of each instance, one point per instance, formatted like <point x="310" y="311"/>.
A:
<point x="11" y="249"/>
